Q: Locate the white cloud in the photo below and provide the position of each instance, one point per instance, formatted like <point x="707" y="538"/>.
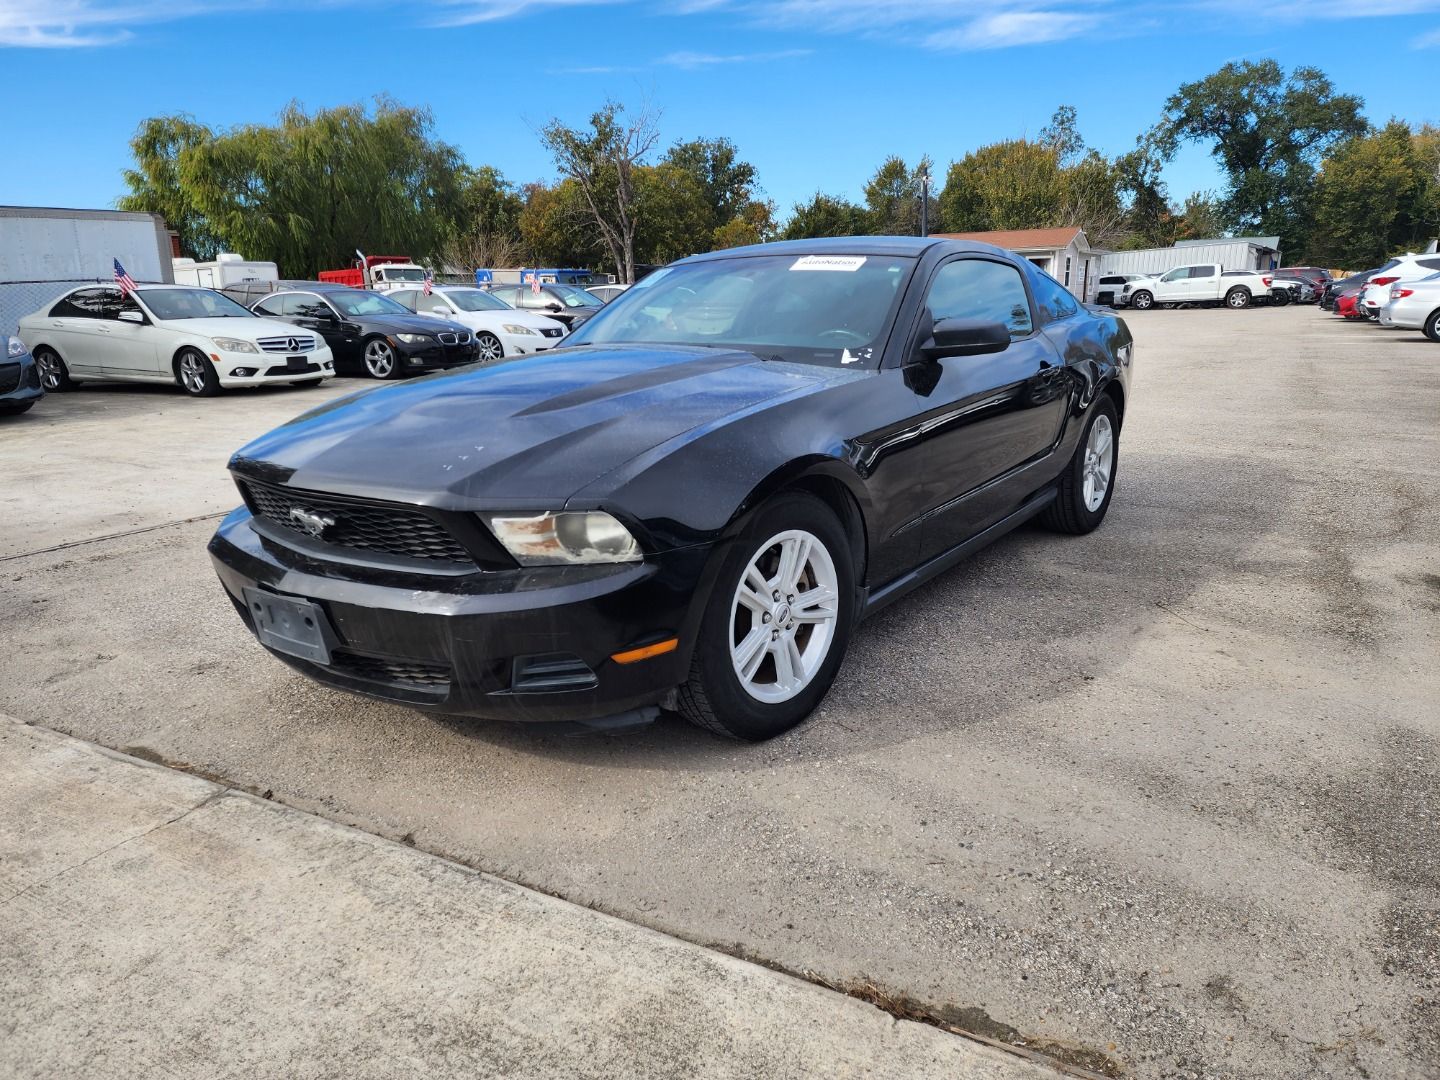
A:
<point x="692" y="60"/>
<point x="1428" y="41"/>
<point x="59" y="24"/>
<point x="1010" y="28"/>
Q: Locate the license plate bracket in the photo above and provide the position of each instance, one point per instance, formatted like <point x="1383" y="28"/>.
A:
<point x="291" y="625"/>
<point x="297" y="363"/>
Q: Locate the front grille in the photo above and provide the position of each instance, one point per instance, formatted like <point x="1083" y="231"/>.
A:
<point x="448" y="338"/>
<point x="411" y="674"/>
<point x="552" y="331"/>
<point x="9" y="377"/>
<point x="380" y="527"/>
<point x="290" y="343"/>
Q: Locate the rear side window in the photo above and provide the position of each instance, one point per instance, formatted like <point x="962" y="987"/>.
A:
<point x="983" y="290"/>
<point x="1052" y="298"/>
<point x="1112" y="281"/>
<point x="1203" y="271"/>
<point x="1429" y="264"/>
<point x="270" y="306"/>
<point x="85" y="304"/>
<point x="306" y="306"/>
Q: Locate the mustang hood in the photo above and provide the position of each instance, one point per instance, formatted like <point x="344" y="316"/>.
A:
<point x="517" y="434"/>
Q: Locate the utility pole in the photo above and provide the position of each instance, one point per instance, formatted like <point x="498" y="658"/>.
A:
<point x="924" y="198"/>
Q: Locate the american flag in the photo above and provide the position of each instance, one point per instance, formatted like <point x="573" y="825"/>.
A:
<point x="429" y="282"/>
<point x="535" y="284"/>
<point x="123" y="279"/>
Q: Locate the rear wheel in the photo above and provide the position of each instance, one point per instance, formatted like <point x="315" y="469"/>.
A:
<point x="777" y="625"/>
<point x="490" y="347"/>
<point x="1237" y="298"/>
<point x="1280" y="297"/>
<point x="1432" y="325"/>
<point x="195" y="374"/>
<point x="1085" y="488"/>
<point x="1142" y="301"/>
<point x="54" y="375"/>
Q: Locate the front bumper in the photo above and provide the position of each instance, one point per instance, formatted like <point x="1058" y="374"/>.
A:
<point x="19" y="379"/>
<point x="527" y="344"/>
<point x="483" y="644"/>
<point x="252" y="369"/>
<point x="434" y="355"/>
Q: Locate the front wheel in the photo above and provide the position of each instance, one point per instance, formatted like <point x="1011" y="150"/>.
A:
<point x="1280" y="297"/>
<point x="1432" y="325"/>
<point x="1083" y="494"/>
<point x="777" y="624"/>
<point x="196" y="375"/>
<point x="1237" y="298"/>
<point x="1142" y="301"/>
<point x="380" y="362"/>
<point x="489" y="347"/>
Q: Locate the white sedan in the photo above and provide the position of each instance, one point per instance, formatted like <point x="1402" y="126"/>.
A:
<point x="195" y="338"/>
<point x="499" y="329"/>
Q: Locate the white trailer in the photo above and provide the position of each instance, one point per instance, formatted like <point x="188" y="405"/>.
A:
<point x="227" y="269"/>
<point x="46" y="251"/>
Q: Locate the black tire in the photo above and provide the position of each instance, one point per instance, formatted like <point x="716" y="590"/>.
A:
<point x="1142" y="300"/>
<point x="54" y="375"/>
<point x="1432" y="325"/>
<point x="1237" y="299"/>
<point x="713" y="697"/>
<point x="489" y="346"/>
<point x="1280" y="297"/>
<point x="1069" y="512"/>
<point x="15" y="408"/>
<point x="195" y="374"/>
<point x="374" y="354"/>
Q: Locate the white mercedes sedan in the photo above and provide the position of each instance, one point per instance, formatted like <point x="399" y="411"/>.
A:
<point x="499" y="329"/>
<point x="196" y="338"/>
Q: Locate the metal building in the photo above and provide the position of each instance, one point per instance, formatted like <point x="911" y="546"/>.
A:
<point x="1231" y="253"/>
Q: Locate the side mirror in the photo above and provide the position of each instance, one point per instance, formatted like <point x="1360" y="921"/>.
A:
<point x="131" y="316"/>
<point x="965" y="337"/>
<point x="553" y="306"/>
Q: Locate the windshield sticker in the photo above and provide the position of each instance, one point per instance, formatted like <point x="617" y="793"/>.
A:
<point x="847" y="357"/>
<point x="848" y="263"/>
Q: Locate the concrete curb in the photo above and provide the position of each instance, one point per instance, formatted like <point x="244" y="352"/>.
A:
<point x="162" y="924"/>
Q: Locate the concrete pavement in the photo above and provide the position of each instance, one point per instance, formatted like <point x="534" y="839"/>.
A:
<point x="159" y="924"/>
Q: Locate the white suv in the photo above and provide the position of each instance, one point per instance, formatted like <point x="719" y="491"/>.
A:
<point x="196" y="338"/>
<point x="1376" y="293"/>
<point x="1204" y="283"/>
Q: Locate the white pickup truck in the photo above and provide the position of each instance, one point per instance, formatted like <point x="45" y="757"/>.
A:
<point x="1205" y="283"/>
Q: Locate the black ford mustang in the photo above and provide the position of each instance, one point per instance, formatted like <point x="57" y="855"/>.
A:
<point x="693" y="501"/>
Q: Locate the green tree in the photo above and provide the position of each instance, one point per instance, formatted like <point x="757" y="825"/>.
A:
<point x="1378" y="194"/>
<point x="892" y="198"/>
<point x="555" y="227"/>
<point x="754" y="224"/>
<point x="1268" y="131"/>
<point x="155" y="183"/>
<point x="824" y="215"/>
<point x="674" y="212"/>
<point x="602" y="160"/>
<point x="1149" y="217"/>
<point x="1200" y="217"/>
<point x="728" y="182"/>
<point x="1015" y="184"/>
<point x="1062" y="136"/>
<point x="311" y="189"/>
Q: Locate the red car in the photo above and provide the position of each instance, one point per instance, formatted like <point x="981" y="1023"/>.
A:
<point x="1345" y="304"/>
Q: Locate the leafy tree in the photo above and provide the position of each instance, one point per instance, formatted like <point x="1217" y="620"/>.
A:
<point x="1090" y="198"/>
<point x="155" y="183"/>
<point x="1378" y="194"/>
<point x="1269" y="132"/>
<point x="1200" y="217"/>
<point x="728" y="182"/>
<point x="675" y="214"/>
<point x="1150" y="218"/>
<point x="892" y="198"/>
<point x="1015" y="184"/>
<point x="602" y="160"/>
<point x="1062" y="136"/>
<point x="824" y="215"/>
<point x="555" y="226"/>
<point x="754" y="224"/>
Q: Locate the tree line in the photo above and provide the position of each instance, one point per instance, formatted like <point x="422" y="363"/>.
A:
<point x="1298" y="158"/>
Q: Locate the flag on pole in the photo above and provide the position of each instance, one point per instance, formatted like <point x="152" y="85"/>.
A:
<point x="123" y="279"/>
<point x="535" y="283"/>
<point x="429" y="282"/>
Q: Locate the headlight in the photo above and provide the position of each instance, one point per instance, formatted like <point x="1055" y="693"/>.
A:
<point x="414" y="339"/>
<point x="568" y="537"/>
<point x="230" y="344"/>
<point x="14" y="346"/>
<point x="512" y="328"/>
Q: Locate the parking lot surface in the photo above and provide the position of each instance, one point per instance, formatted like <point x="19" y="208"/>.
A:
<point x="1161" y="800"/>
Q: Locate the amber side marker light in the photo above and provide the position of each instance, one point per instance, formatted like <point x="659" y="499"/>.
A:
<point x="630" y="656"/>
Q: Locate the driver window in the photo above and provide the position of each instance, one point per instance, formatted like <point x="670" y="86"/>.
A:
<point x="1177" y="274"/>
<point x="983" y="290"/>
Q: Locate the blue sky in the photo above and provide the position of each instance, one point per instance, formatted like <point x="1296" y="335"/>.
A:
<point x="814" y="92"/>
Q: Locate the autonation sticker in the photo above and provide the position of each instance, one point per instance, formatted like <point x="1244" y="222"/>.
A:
<point x="849" y="263"/>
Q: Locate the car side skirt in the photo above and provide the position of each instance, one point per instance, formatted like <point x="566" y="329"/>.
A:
<point x="873" y="601"/>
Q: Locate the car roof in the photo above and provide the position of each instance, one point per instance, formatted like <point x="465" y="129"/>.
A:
<point x="910" y="246"/>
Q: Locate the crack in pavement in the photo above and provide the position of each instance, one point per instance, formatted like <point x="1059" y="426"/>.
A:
<point x="114" y="536"/>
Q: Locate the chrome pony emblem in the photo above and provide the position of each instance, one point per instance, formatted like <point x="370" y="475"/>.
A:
<point x="311" y="523"/>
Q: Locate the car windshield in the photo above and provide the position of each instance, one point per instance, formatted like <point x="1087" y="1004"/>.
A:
<point x="393" y="274"/>
<point x="168" y="304"/>
<point x="475" y="300"/>
<point x="574" y="297"/>
<point x="819" y="309"/>
<point x="359" y="302"/>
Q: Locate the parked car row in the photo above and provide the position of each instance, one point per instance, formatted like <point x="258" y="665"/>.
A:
<point x="1403" y="293"/>
<point x="1209" y="285"/>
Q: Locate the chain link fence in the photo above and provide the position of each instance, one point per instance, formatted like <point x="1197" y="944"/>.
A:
<point x="21" y="298"/>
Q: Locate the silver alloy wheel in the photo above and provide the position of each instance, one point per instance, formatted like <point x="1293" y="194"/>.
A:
<point x="1142" y="301"/>
<point x="1099" y="463"/>
<point x="192" y="372"/>
<point x="49" y="365"/>
<point x="1238" y="298"/>
<point x="490" y="347"/>
<point x="782" y="620"/>
<point x="379" y="359"/>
